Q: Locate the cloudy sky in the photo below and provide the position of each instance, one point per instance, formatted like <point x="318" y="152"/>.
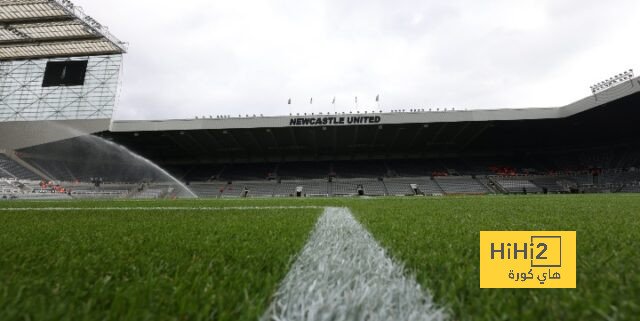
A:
<point x="209" y="57"/>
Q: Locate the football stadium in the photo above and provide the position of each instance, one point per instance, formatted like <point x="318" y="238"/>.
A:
<point x="369" y="215"/>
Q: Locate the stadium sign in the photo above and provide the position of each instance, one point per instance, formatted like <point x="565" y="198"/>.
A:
<point x="526" y="259"/>
<point x="334" y="120"/>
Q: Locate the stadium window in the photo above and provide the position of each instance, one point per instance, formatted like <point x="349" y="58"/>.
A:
<point x="64" y="73"/>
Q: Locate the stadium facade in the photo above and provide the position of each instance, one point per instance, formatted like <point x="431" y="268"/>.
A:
<point x="59" y="83"/>
<point x="57" y="64"/>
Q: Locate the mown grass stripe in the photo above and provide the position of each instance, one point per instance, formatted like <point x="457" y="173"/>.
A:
<point x="146" y="265"/>
<point x="158" y="208"/>
<point x="344" y="274"/>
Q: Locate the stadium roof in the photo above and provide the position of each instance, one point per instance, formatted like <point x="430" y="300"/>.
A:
<point x="51" y="28"/>
<point x="609" y="119"/>
<point x="383" y="118"/>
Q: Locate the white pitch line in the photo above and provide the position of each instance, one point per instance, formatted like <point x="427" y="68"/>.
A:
<point x="158" y="208"/>
<point x="342" y="273"/>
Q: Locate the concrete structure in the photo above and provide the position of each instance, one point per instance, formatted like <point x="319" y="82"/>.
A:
<point x="59" y="78"/>
<point x="59" y="68"/>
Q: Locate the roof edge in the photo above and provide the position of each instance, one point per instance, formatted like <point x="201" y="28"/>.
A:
<point x="91" y="23"/>
<point x="506" y="114"/>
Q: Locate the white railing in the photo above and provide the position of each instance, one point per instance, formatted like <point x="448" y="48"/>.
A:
<point x="76" y="11"/>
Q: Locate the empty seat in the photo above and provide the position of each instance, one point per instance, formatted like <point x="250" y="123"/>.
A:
<point x="518" y="185"/>
<point x="461" y="185"/>
<point x="12" y="169"/>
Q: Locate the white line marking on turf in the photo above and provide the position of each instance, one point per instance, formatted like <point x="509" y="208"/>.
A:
<point x="342" y="273"/>
<point x="158" y="208"/>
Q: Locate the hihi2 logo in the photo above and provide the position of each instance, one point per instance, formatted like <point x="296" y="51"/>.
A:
<point x="527" y="259"/>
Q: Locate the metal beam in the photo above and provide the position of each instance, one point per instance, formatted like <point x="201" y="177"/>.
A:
<point x="32" y="20"/>
<point x="373" y="142"/>
<point x="393" y="141"/>
<point x="65" y="54"/>
<point x="415" y="137"/>
<point x="48" y="40"/>
<point x="475" y="136"/>
<point x="258" y="146"/>
<point x="195" y="142"/>
<point x="275" y="143"/>
<point x="354" y="141"/>
<point x="213" y="139"/>
<point x="453" y="139"/>
<point x="314" y="137"/>
<point x="295" y="141"/>
<point x="437" y="135"/>
<point x="335" y="140"/>
<point x="175" y="141"/>
<point x="237" y="143"/>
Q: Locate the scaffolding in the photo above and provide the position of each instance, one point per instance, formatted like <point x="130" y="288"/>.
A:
<point x="24" y="98"/>
<point x="32" y="29"/>
<point x="36" y="34"/>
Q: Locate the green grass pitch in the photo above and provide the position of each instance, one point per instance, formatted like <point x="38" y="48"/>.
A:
<point x="439" y="243"/>
<point x="198" y="265"/>
<point x="151" y="265"/>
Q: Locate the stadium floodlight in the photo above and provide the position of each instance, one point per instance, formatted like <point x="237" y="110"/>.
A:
<point x="612" y="82"/>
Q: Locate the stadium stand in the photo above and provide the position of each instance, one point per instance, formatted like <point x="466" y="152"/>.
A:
<point x="98" y="194"/>
<point x="197" y="173"/>
<point x="398" y="187"/>
<point x="58" y="170"/>
<point x="11" y="169"/>
<point x="260" y="189"/>
<point x="461" y="185"/>
<point x="247" y="171"/>
<point x="630" y="188"/>
<point x="402" y="186"/>
<point x="429" y="186"/>
<point x="42" y="196"/>
<point x="207" y="190"/>
<point x="151" y="193"/>
<point x="360" y="169"/>
<point x="373" y="187"/>
<point x="8" y="187"/>
<point x="446" y="176"/>
<point x="313" y="187"/>
<point x="415" y="167"/>
<point x="554" y="150"/>
<point x="252" y="189"/>
<point x="550" y="184"/>
<point x="517" y="185"/>
<point x="303" y="170"/>
<point x="340" y="188"/>
<point x="349" y="187"/>
<point x="286" y="188"/>
<point x="589" y="145"/>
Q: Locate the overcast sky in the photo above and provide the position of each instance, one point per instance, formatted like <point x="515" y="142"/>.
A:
<point x="209" y="57"/>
